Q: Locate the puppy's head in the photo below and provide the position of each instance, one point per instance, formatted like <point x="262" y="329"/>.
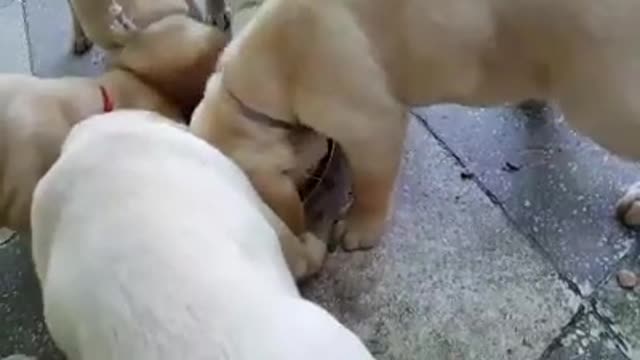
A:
<point x="264" y="152"/>
<point x="176" y="55"/>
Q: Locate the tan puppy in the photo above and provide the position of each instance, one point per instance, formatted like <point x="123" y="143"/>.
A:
<point x="111" y="23"/>
<point x="159" y="40"/>
<point x="349" y="69"/>
<point x="309" y="146"/>
<point x="35" y="118"/>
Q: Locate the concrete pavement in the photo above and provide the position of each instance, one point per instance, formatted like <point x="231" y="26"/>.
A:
<point x="502" y="245"/>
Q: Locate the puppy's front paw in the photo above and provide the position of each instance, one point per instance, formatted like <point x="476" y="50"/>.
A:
<point x="81" y="45"/>
<point x="628" y="207"/>
<point x="316" y="252"/>
<point x="356" y="235"/>
<point x="310" y="256"/>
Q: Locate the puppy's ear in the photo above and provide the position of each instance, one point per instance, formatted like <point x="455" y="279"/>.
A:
<point x="256" y="68"/>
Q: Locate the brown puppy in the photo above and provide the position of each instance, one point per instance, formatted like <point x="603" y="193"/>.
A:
<point x="158" y="40"/>
<point x="36" y="116"/>
<point x="348" y="69"/>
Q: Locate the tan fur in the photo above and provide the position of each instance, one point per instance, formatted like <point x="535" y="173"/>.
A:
<point x="168" y="46"/>
<point x="35" y="118"/>
<point x="98" y="24"/>
<point x="309" y="147"/>
<point x="350" y="68"/>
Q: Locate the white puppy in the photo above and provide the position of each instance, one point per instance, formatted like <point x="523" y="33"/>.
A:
<point x="150" y="244"/>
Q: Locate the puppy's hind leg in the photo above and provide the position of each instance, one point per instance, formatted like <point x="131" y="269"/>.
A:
<point x="81" y="43"/>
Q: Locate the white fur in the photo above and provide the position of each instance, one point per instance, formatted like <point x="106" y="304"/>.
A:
<point x="149" y="244"/>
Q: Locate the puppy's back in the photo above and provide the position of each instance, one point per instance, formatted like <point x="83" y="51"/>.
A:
<point x="146" y="242"/>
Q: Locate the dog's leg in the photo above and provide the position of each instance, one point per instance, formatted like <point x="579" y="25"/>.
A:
<point x="81" y="43"/>
<point x="628" y="207"/>
<point x="610" y="115"/>
<point x="374" y="166"/>
<point x="304" y="254"/>
<point x="371" y="134"/>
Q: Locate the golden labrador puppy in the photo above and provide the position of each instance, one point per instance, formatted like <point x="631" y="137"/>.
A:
<point x="309" y="146"/>
<point x="349" y="69"/>
<point x="151" y="244"/>
<point x="159" y="40"/>
<point x="110" y="23"/>
<point x="35" y="118"/>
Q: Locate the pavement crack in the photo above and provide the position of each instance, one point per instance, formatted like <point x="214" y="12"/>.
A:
<point x="8" y="240"/>
<point x="556" y="343"/>
<point x="493" y="198"/>
<point x="601" y="314"/>
<point x="27" y="35"/>
<point x="587" y="309"/>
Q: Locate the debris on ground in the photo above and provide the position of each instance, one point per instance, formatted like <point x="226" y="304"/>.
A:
<point x="510" y="167"/>
<point x="627" y="279"/>
<point x="467" y="175"/>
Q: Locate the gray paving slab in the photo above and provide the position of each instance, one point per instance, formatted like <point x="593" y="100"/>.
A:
<point x="621" y="308"/>
<point x="452" y="278"/>
<point x="49" y="24"/>
<point x="588" y="338"/>
<point x="556" y="186"/>
<point x="13" y="38"/>
<point x="22" y="330"/>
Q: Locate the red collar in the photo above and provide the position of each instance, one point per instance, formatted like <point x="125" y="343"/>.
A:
<point x="107" y="101"/>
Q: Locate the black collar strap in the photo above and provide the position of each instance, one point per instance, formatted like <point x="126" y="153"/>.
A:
<point x="262" y="118"/>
